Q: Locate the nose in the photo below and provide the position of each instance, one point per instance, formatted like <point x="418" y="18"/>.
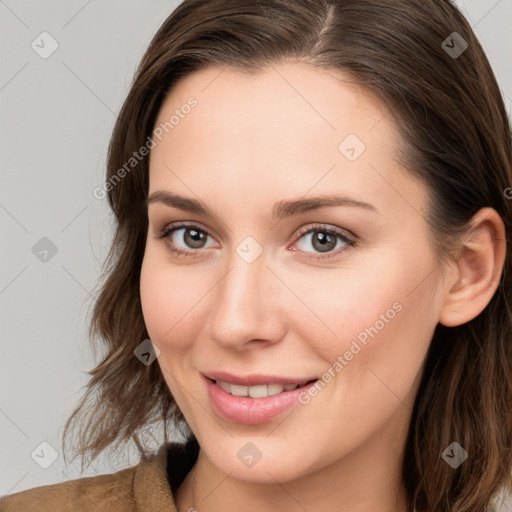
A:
<point x="249" y="306"/>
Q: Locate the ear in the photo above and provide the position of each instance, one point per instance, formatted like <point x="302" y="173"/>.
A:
<point x="478" y="269"/>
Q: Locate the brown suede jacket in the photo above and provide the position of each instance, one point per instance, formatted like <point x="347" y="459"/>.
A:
<point x="146" y="487"/>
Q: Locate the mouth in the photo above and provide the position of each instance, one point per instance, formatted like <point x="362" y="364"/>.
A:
<point x="253" y="399"/>
<point x="261" y="390"/>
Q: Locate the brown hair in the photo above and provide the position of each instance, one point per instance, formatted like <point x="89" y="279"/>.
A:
<point x="457" y="140"/>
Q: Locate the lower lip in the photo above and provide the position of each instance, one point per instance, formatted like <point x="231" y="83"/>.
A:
<point x="244" y="409"/>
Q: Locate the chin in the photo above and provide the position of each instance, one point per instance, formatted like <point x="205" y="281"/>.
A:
<point x="259" y="459"/>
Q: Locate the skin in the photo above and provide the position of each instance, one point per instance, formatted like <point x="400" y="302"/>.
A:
<point x="252" y="141"/>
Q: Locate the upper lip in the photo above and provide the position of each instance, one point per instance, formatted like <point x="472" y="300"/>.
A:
<point x="256" y="379"/>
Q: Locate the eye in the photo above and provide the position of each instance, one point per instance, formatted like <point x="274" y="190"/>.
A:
<point x="329" y="241"/>
<point x="191" y="236"/>
<point x="324" y="239"/>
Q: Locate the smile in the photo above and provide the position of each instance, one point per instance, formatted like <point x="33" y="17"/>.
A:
<point x="260" y="391"/>
<point x="253" y="399"/>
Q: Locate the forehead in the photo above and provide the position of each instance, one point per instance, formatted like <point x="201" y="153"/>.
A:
<point x="287" y="129"/>
<point x="278" y="95"/>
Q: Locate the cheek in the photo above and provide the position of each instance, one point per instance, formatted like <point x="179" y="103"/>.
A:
<point x="380" y="319"/>
<point x="175" y="300"/>
<point x="168" y="299"/>
<point x="165" y="299"/>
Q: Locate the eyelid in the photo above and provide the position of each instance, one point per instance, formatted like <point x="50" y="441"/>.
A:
<point x="174" y="226"/>
<point x="329" y="228"/>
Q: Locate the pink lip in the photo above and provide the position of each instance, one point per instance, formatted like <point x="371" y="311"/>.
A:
<point x="247" y="410"/>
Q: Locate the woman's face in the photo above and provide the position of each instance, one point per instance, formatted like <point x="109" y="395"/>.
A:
<point x="277" y="283"/>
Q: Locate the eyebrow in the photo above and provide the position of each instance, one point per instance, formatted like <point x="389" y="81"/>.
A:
<point x="280" y="210"/>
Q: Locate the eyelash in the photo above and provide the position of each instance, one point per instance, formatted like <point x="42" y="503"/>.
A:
<point x="351" y="243"/>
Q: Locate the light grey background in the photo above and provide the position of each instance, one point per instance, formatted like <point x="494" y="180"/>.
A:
<point x="56" y="119"/>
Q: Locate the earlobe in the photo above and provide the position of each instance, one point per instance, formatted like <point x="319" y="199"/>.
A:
<point x="478" y="269"/>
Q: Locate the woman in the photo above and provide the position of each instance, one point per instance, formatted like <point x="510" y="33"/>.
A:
<point x="309" y="277"/>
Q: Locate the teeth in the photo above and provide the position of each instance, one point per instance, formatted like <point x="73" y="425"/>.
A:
<point x="225" y="386"/>
<point x="260" y="391"/>
<point x="239" y="390"/>
<point x="274" y="389"/>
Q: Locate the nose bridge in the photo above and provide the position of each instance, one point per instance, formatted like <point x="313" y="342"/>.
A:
<point x="246" y="306"/>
